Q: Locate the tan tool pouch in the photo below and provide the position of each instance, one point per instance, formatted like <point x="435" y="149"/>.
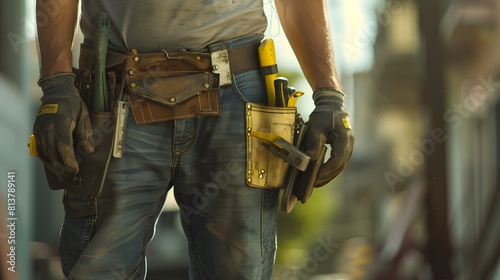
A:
<point x="263" y="168"/>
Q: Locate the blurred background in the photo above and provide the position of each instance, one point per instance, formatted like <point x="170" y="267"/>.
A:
<point x="419" y="198"/>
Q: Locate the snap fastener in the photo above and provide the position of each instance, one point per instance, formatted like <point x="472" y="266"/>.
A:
<point x="198" y="58"/>
<point x="172" y="99"/>
<point x="215" y="67"/>
<point x="133" y="85"/>
<point x="206" y="85"/>
<point x="131" y="72"/>
<point x="136" y="58"/>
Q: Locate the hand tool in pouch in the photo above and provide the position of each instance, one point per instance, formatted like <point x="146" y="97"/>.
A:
<point x="299" y="181"/>
<point x="267" y="57"/>
<point x="101" y="26"/>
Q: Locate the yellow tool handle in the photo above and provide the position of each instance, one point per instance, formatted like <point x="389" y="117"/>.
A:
<point x="267" y="57"/>
<point x="32" y="146"/>
<point x="293" y="98"/>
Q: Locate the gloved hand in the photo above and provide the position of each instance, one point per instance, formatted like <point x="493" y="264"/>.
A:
<point x="62" y="123"/>
<point x="329" y="124"/>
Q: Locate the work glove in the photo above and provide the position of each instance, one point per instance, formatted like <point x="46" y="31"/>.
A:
<point x="62" y="125"/>
<point x="329" y="124"/>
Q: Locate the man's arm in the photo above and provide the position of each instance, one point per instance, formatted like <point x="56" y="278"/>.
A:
<point x="56" y="21"/>
<point x="63" y="121"/>
<point x="306" y="26"/>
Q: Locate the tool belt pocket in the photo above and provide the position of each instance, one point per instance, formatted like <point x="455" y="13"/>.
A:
<point x="265" y="124"/>
<point x="93" y="167"/>
<point x="161" y="97"/>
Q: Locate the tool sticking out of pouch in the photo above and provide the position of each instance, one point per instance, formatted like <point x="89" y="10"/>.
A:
<point x="299" y="182"/>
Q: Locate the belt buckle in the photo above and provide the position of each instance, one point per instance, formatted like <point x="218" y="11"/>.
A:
<point x="220" y="65"/>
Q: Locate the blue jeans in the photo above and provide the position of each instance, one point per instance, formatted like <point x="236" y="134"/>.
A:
<point x="230" y="227"/>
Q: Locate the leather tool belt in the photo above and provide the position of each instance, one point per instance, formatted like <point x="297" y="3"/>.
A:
<point x="166" y="86"/>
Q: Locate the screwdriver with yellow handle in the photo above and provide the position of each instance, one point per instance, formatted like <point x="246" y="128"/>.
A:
<point x="285" y="96"/>
<point x="267" y="57"/>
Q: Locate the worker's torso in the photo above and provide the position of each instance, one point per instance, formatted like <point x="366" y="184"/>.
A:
<point x="152" y="25"/>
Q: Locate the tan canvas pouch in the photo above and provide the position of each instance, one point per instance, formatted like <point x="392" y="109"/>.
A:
<point x="263" y="168"/>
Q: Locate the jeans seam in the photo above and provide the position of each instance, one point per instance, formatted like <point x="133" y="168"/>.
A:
<point x="186" y="146"/>
<point x="196" y="270"/>
<point x="262" y="231"/>
<point x="147" y="231"/>
<point x="90" y="225"/>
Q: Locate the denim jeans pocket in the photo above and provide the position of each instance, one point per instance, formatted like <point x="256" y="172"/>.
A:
<point x="249" y="87"/>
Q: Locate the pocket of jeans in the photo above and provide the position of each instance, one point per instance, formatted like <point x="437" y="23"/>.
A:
<point x="249" y="87"/>
<point x="265" y="124"/>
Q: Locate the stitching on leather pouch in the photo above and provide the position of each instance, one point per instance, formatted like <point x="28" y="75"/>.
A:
<point x="142" y="113"/>
<point x="150" y="112"/>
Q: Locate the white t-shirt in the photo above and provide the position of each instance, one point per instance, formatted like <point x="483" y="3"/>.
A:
<point x="153" y="25"/>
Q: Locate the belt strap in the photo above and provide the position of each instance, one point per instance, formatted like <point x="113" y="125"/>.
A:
<point x="241" y="59"/>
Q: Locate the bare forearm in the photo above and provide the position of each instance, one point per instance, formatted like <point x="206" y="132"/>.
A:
<point x="306" y="26"/>
<point x="56" y="21"/>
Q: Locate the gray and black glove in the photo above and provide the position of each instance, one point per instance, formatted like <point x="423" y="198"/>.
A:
<point x="329" y="124"/>
<point x="62" y="125"/>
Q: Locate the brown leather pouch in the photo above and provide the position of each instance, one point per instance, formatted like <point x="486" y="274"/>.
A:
<point x="156" y="98"/>
<point x="170" y="85"/>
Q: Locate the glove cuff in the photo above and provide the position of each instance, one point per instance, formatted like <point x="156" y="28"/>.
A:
<point x="55" y="80"/>
<point x="328" y="97"/>
<point x="335" y="89"/>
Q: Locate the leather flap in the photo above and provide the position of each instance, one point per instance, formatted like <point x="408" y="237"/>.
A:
<point x="170" y="91"/>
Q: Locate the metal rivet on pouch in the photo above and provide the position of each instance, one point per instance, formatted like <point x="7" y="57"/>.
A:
<point x="171" y="99"/>
<point x="215" y="67"/>
<point x="249" y="129"/>
<point x="206" y="85"/>
<point x="262" y="171"/>
<point x="134" y="51"/>
<point x="133" y="85"/>
<point x="261" y="176"/>
<point x="249" y="171"/>
<point x="249" y="180"/>
<point x="249" y="113"/>
<point x="198" y="58"/>
<point x="136" y="58"/>
<point x="87" y="86"/>
<point x="249" y="106"/>
<point x="130" y="72"/>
